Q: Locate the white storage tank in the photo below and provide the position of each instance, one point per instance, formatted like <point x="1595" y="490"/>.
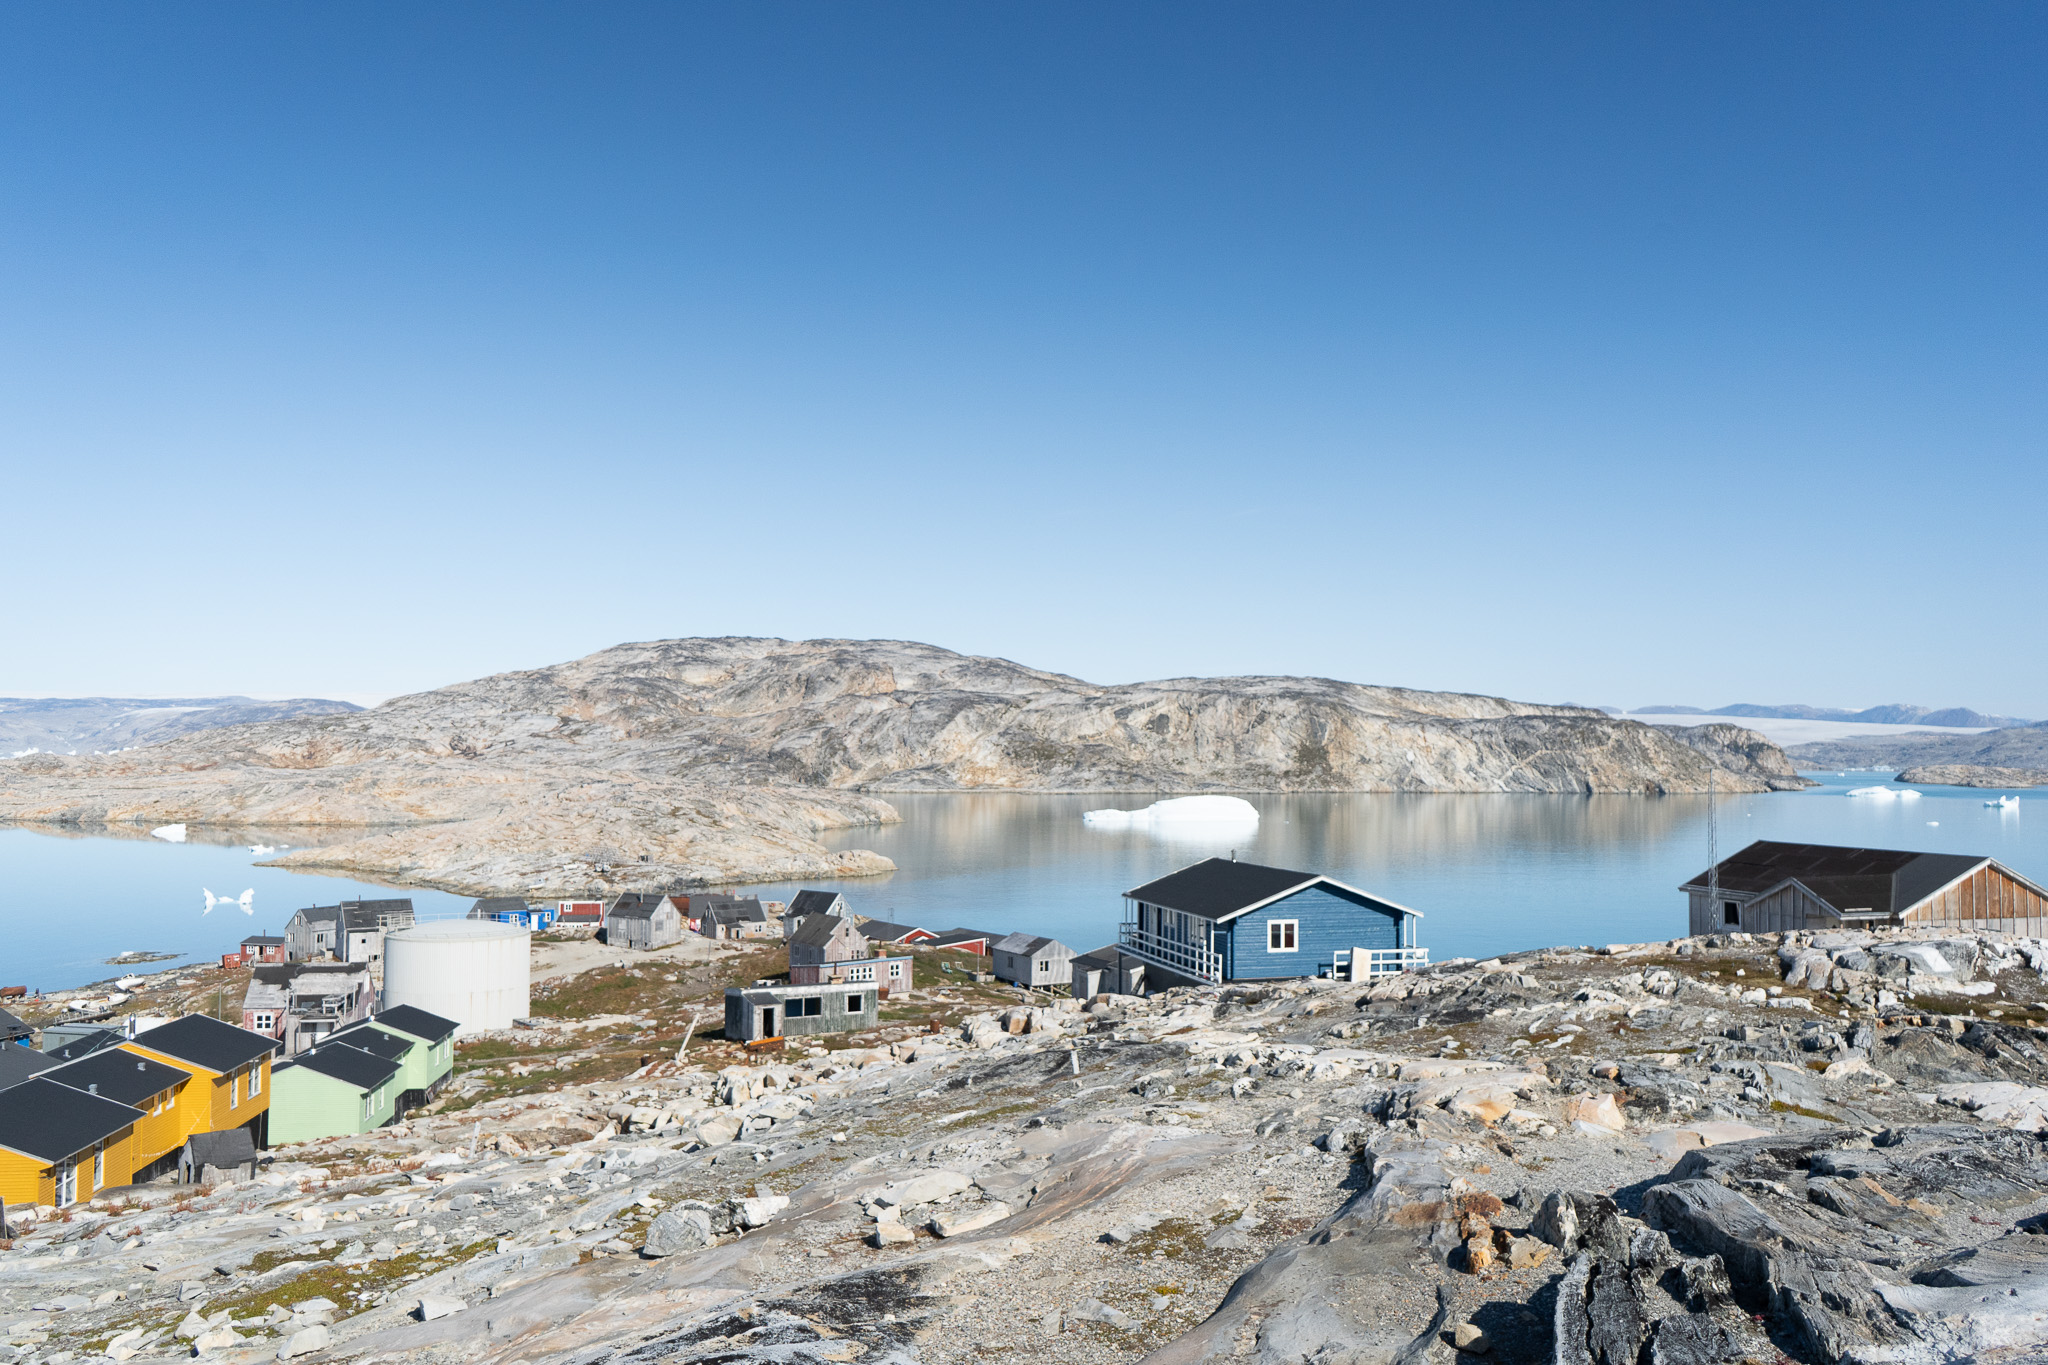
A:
<point x="476" y="972"/>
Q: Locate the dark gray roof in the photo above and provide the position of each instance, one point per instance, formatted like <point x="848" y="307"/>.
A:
<point x="50" y="1122"/>
<point x="1888" y="881"/>
<point x="285" y="973"/>
<point x="881" y="931"/>
<point x="263" y="941"/>
<point x="418" y="1022"/>
<point x="815" y="931"/>
<point x="359" y="914"/>
<point x="953" y="936"/>
<point x="18" y="1063"/>
<point x="228" y="1147"/>
<point x="11" y="1027"/>
<point x="206" y="1042"/>
<point x="83" y="1046"/>
<point x="729" y="909"/>
<point x="812" y="903"/>
<point x="488" y="907"/>
<point x="349" y="1065"/>
<point x="1110" y="958"/>
<point x="1217" y="888"/>
<point x="120" y="1075"/>
<point x="375" y="1041"/>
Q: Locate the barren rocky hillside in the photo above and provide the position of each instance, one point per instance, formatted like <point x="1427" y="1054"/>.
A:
<point x="722" y="760"/>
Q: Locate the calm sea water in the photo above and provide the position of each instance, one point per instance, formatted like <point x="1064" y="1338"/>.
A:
<point x="1490" y="873"/>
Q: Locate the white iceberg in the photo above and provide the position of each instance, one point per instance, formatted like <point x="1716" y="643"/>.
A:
<point x="1887" y="793"/>
<point x="170" y="834"/>
<point x="1178" y="812"/>
<point x="262" y="850"/>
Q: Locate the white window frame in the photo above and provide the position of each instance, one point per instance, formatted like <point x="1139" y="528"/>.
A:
<point x="234" y="1085"/>
<point x="1283" y="935"/>
<point x="65" y="1191"/>
<point x="99" y="1167"/>
<point x="255" y="1080"/>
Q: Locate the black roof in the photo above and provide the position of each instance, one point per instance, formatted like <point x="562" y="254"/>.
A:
<point x="953" y="936"/>
<point x="50" y="1122"/>
<point x="206" y="1042"/>
<point x="11" y="1027"/>
<point x="120" y="1075"/>
<point x="417" y="1022"/>
<point x="375" y="1041"/>
<point x="812" y="903"/>
<point x="18" y="1063"/>
<point x="1217" y="888"/>
<point x="83" y="1046"/>
<point x="349" y="1065"/>
<point x="881" y="931"/>
<point x="228" y="1147"/>
<point x="815" y="931"/>
<point x="1889" y="881"/>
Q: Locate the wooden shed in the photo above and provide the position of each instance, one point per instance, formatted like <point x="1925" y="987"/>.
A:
<point x="756" y="1012"/>
<point x="1772" y="887"/>
<point x="643" y="921"/>
<point x="1033" y="960"/>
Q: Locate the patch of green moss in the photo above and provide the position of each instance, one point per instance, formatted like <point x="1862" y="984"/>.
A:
<point x="1780" y="1107"/>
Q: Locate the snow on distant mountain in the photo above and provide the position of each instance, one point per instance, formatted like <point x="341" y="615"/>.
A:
<point x="1897" y="713"/>
<point x="98" y="725"/>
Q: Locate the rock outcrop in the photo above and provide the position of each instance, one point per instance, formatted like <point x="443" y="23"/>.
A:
<point x="721" y="760"/>
<point x="1972" y="775"/>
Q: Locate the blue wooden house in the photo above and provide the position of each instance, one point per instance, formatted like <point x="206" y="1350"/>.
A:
<point x="513" y="910"/>
<point x="1223" y="920"/>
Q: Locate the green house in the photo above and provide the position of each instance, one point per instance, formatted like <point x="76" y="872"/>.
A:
<point x="332" y="1090"/>
<point x="425" y="1068"/>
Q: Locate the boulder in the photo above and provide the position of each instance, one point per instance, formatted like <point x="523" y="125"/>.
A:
<point x="955" y="1224"/>
<point x="304" y="1342"/>
<point x="1471" y="1339"/>
<point x="890" y="1234"/>
<point x="1596" y="1113"/>
<point x="1094" y="1310"/>
<point x="677" y="1231"/>
<point x="756" y="1212"/>
<point x="431" y="1306"/>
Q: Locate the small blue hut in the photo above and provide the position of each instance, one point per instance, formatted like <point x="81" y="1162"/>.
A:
<point x="1223" y="920"/>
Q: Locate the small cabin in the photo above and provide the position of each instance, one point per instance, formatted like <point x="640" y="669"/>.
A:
<point x="1771" y="887"/>
<point x="1223" y="920"/>
<point x="819" y="940"/>
<point x="1033" y="961"/>
<point x="643" y="922"/>
<point x="1108" y="971"/>
<point x="756" y="1012"/>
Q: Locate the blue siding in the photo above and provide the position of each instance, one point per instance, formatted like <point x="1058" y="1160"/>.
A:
<point x="1329" y="920"/>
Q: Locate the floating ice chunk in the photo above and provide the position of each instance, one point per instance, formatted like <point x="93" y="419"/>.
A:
<point x="1887" y="793"/>
<point x="170" y="834"/>
<point x="1178" y="812"/>
<point x="263" y="850"/>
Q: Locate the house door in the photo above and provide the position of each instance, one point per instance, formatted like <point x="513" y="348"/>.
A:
<point x="768" y="1021"/>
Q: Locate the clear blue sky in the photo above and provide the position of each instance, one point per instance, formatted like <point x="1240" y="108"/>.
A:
<point x="1612" y="353"/>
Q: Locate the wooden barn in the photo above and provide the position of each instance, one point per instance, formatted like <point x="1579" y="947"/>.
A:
<point x="1771" y="887"/>
<point x="1223" y="920"/>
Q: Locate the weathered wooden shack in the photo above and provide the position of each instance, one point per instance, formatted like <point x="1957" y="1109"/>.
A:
<point x="1108" y="971"/>
<point x="756" y="1012"/>
<point x="643" y="921"/>
<point x="1771" y="887"/>
<point x="1033" y="960"/>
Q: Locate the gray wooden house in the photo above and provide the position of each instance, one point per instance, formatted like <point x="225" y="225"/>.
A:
<point x="1033" y="960"/>
<point x="756" y="1012"/>
<point x="1108" y="971"/>
<point x="819" y="940"/>
<point x="1771" y="887"/>
<point x="1223" y="920"/>
<point x="643" y="921"/>
<point x="352" y="931"/>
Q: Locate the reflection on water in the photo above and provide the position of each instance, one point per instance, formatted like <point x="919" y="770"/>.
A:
<point x="1490" y="873"/>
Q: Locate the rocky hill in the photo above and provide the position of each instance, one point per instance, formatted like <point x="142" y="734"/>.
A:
<point x="2024" y="746"/>
<point x="87" y="725"/>
<point x="721" y="760"/>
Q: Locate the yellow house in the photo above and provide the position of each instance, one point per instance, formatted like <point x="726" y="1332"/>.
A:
<point x="143" y="1083"/>
<point x="60" y="1146"/>
<point x="230" y="1071"/>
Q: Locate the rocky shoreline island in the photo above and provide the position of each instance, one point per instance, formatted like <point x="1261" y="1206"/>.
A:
<point x="1813" y="1148"/>
<point x="712" y="762"/>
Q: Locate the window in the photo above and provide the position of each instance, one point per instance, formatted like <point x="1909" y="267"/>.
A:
<point x="855" y="1004"/>
<point x="255" y="1080"/>
<point x="1280" y="935"/>
<point x="1731" y="913"/>
<point x="99" y="1168"/>
<point x="67" y="1185"/>
<point x="804" y="1006"/>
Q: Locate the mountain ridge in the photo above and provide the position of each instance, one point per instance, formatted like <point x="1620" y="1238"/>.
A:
<point x="712" y="761"/>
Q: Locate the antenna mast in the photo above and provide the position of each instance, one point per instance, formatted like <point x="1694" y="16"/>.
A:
<point x="1713" y="851"/>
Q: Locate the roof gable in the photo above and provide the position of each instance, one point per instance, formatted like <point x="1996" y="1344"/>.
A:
<point x="1222" y="889"/>
<point x="817" y="931"/>
<point x="419" y="1023"/>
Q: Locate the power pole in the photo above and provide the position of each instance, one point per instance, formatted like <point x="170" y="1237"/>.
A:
<point x="1713" y="851"/>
